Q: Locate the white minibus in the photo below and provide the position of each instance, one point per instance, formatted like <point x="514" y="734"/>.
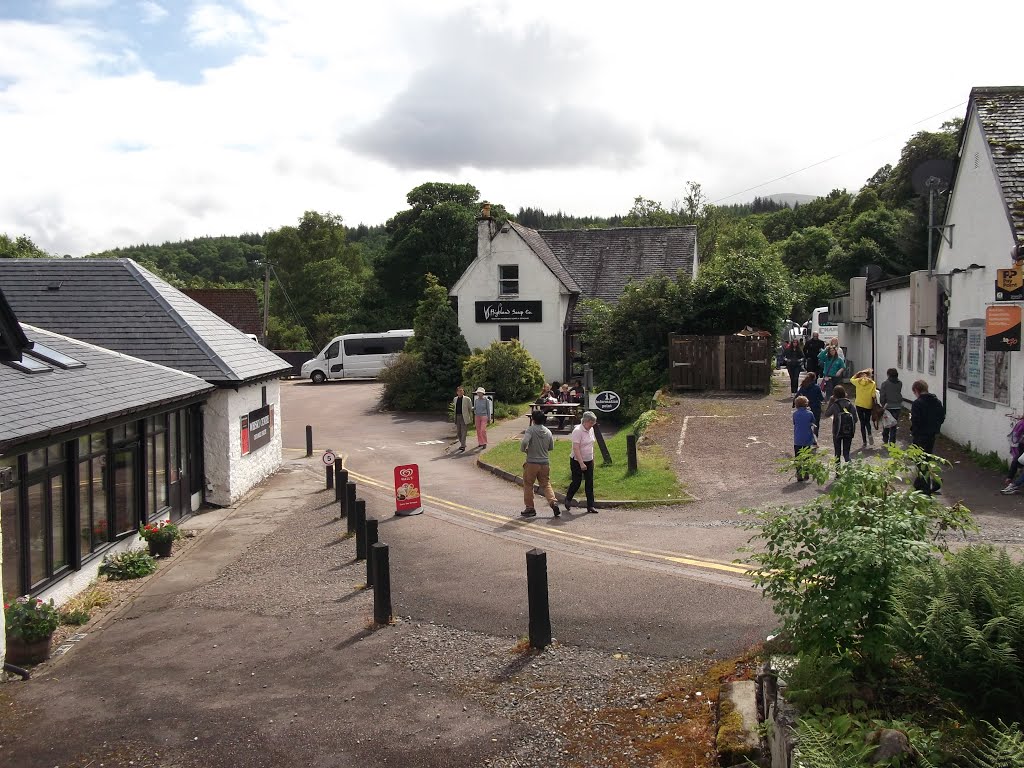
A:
<point x="819" y="324"/>
<point x="355" y="356"/>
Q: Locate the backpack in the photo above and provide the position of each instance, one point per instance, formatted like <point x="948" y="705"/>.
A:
<point x="847" y="424"/>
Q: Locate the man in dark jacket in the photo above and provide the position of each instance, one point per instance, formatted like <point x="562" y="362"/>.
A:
<point x="811" y="351"/>
<point x="926" y="417"/>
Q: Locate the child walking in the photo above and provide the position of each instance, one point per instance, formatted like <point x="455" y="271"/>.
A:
<point x="803" y="431"/>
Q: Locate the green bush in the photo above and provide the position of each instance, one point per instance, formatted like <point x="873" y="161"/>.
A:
<point x="506" y="369"/>
<point x="830" y="565"/>
<point x="132" y="564"/>
<point x="962" y="622"/>
<point x="404" y="387"/>
<point x="74" y="618"/>
<point x="644" y="421"/>
<point x="30" y="619"/>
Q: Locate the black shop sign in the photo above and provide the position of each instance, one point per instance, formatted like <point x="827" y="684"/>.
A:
<point x="508" y="312"/>
<point x="257" y="429"/>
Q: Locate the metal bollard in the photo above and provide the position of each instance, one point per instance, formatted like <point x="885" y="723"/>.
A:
<point x="360" y="529"/>
<point x="350" y="506"/>
<point x="330" y="478"/>
<point x="381" y="584"/>
<point x="339" y="487"/>
<point x="340" y="483"/>
<point x="631" y="454"/>
<point x="371" y="536"/>
<point x="309" y="440"/>
<point x="537" y="589"/>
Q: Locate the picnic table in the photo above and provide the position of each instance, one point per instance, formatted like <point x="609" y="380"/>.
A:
<point x="569" y="412"/>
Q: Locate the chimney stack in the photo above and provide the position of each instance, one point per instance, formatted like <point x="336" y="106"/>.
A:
<point x="485" y="212"/>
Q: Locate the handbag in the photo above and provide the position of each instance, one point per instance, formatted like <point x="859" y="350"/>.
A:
<point x="888" y="420"/>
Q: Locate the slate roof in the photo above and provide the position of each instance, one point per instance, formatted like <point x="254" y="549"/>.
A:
<point x="540" y="247"/>
<point x="1001" y="112"/>
<point x="238" y="306"/>
<point x="602" y="261"/>
<point x="119" y="305"/>
<point x="37" y="405"/>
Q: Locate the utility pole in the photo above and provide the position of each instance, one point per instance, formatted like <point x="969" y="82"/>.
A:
<point x="266" y="299"/>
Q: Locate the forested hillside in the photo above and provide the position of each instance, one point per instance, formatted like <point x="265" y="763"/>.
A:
<point x="328" y="278"/>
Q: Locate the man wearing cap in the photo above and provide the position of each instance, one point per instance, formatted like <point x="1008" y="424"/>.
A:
<point x="483" y="410"/>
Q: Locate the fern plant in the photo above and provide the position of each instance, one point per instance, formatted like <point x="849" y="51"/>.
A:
<point x="962" y="621"/>
<point x="1001" y="747"/>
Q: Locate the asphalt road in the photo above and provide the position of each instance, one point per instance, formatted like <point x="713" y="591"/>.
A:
<point x="656" y="581"/>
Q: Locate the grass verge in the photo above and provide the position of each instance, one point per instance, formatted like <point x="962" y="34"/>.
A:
<point x="655" y="479"/>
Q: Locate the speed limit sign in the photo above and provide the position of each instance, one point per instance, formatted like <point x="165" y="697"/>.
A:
<point x="329" y="458"/>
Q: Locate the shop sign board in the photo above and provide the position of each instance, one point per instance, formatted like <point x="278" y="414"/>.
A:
<point x="606" y="401"/>
<point x="407" y="490"/>
<point x="1010" y="284"/>
<point x="257" y="429"/>
<point x="509" y="312"/>
<point x="1002" y="328"/>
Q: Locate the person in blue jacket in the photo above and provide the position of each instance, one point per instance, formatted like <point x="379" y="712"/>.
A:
<point x="809" y="388"/>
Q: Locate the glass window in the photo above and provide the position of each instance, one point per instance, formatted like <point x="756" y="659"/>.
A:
<point x="332" y="351"/>
<point x="85" y="521"/>
<point x="160" y="465"/>
<point x="37" y="532"/>
<point x="10" y="522"/>
<point x="150" y="486"/>
<point x="36" y="459"/>
<point x="125" y="512"/>
<point x="508" y="280"/>
<point x="173" y="450"/>
<point x="355" y="347"/>
<point x="58" y="527"/>
<point x="509" y="332"/>
<point x="100" y="521"/>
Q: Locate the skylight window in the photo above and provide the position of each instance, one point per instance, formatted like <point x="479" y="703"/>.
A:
<point x="52" y="356"/>
<point x="28" y="365"/>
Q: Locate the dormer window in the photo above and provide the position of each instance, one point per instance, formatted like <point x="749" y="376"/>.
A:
<point x="508" y="280"/>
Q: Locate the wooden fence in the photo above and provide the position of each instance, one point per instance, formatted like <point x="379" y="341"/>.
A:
<point x="728" y="363"/>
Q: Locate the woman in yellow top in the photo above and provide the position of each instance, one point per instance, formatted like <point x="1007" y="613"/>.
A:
<point x="864" y="382"/>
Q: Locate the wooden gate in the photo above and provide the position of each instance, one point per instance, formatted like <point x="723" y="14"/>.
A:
<point x="728" y="363"/>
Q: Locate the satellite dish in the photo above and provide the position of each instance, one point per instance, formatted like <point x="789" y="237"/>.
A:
<point x="873" y="272"/>
<point x="932" y="175"/>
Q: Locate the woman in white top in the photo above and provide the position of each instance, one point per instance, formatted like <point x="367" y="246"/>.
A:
<point x="581" y="462"/>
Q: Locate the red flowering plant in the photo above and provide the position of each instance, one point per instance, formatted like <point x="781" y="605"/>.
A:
<point x="160" y="532"/>
<point x="30" y="620"/>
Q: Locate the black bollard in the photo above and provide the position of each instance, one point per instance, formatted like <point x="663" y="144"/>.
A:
<point x="330" y="478"/>
<point x="371" y="536"/>
<point x="339" y="487"/>
<point x="537" y="589"/>
<point x="309" y="440"/>
<point x="350" y="506"/>
<point x="381" y="584"/>
<point x="631" y="454"/>
<point x="360" y="529"/>
<point x="602" y="445"/>
<point x="340" y="484"/>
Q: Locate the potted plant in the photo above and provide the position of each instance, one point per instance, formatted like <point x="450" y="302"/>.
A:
<point x="160" y="536"/>
<point x="30" y="625"/>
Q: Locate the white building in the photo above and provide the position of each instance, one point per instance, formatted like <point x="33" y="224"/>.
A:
<point x="526" y="284"/>
<point x="933" y="325"/>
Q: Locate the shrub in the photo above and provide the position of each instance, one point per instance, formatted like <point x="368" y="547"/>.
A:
<point x="404" y="388"/>
<point x="160" y="532"/>
<point x="132" y="564"/>
<point x="830" y="565"/>
<point x="962" y="622"/>
<point x="506" y="369"/>
<point x="643" y="422"/>
<point x="74" y="618"/>
<point x="30" y="620"/>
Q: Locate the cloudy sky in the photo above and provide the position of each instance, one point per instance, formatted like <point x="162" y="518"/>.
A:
<point x="127" y="121"/>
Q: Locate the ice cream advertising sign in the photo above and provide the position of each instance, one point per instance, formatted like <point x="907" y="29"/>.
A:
<point x="407" y="490"/>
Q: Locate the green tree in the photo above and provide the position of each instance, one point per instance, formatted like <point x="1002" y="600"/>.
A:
<point x="438" y="343"/>
<point x="649" y="213"/>
<point x="20" y="248"/>
<point x="811" y="291"/>
<point x="806" y="250"/>
<point x="506" y="369"/>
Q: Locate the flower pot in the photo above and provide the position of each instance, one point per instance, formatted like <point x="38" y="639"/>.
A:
<point x="160" y="548"/>
<point x="19" y="652"/>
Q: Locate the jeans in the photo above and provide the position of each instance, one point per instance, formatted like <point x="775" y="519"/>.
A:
<point x="889" y="433"/>
<point x="581" y="476"/>
<point x="541" y="475"/>
<point x="830" y="384"/>
<point x="864" y="415"/>
<point x="842" y="446"/>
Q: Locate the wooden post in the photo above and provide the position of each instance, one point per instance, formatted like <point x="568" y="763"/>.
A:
<point x="537" y="589"/>
<point x="381" y="584"/>
<point x="309" y="440"/>
<point x="631" y="454"/>
<point x="360" y="529"/>
<point x="602" y="445"/>
<point x="371" y="536"/>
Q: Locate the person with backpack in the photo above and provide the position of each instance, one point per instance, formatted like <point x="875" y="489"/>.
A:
<point x="864" y="383"/>
<point x="809" y="388"/>
<point x="844" y="423"/>
<point x="890" y="396"/>
<point x="803" y="431"/>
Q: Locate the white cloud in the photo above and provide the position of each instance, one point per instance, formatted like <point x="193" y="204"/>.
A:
<point x="152" y="13"/>
<point x="212" y="24"/>
<point x="80" y="5"/>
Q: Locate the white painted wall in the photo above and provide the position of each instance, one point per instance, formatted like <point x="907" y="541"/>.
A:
<point x="229" y="475"/>
<point x="981" y="235"/>
<point x="856" y="340"/>
<point x="545" y="341"/>
<point x="892" y="321"/>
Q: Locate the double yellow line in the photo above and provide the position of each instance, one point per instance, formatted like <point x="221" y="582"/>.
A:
<point x="555" y="533"/>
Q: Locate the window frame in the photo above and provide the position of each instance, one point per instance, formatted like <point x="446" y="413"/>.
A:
<point x="505" y="333"/>
<point x="505" y="283"/>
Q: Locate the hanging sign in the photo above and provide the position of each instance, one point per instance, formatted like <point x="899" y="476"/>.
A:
<point x="407" y="490"/>
<point x="1002" y="329"/>
<point x="606" y="401"/>
<point x="1010" y="284"/>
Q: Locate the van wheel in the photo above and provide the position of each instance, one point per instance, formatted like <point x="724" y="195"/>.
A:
<point x="318" y="377"/>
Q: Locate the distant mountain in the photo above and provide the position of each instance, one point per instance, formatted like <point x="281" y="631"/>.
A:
<point x="790" y="199"/>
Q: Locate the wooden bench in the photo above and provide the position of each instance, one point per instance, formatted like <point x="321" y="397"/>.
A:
<point x="570" y="412"/>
